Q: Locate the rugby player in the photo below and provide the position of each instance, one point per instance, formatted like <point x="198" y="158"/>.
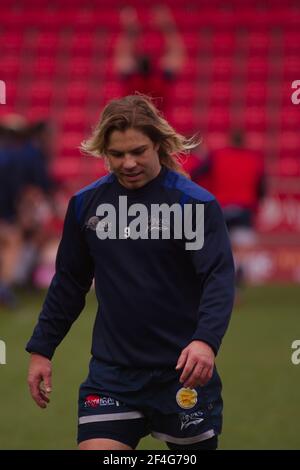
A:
<point x="164" y="305"/>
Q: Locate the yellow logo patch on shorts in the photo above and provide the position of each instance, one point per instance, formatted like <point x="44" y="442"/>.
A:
<point x="186" y="398"/>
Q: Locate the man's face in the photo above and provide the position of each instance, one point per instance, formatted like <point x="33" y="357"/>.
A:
<point x="133" y="157"/>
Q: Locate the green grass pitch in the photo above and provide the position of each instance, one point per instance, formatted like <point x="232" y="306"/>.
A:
<point x="260" y="383"/>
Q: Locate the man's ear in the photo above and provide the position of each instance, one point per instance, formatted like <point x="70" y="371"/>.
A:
<point x="156" y="147"/>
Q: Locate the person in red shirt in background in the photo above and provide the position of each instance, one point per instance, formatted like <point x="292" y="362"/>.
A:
<point x="139" y="70"/>
<point x="238" y="180"/>
<point x="236" y="176"/>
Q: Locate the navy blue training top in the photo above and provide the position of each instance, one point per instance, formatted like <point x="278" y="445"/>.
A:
<point x="154" y="296"/>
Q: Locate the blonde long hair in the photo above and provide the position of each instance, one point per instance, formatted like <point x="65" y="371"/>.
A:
<point x="139" y="112"/>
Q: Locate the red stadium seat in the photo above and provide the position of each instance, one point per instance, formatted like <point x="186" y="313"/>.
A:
<point x="190" y="20"/>
<point x="73" y="124"/>
<point x="288" y="165"/>
<point x="82" y="44"/>
<point x="259" y="43"/>
<point x="186" y="93"/>
<point x="190" y="70"/>
<point x="41" y="94"/>
<point x="291" y="43"/>
<point x="10" y="67"/>
<point x="257" y="68"/>
<point x="219" y="119"/>
<point x="47" y="43"/>
<point x="224" y="43"/>
<point x="256" y="94"/>
<point x="80" y="65"/>
<point x="255" y="118"/>
<point x="215" y="140"/>
<point x="258" y="18"/>
<point x="68" y="144"/>
<point x="220" y="94"/>
<point x="113" y="89"/>
<point x="291" y="67"/>
<point x="44" y="67"/>
<point x="107" y="18"/>
<point x="11" y="42"/>
<point x="289" y="141"/>
<point x="256" y="140"/>
<point x="77" y="94"/>
<point x="222" y="68"/>
<point x="183" y="118"/>
<point x="38" y="113"/>
<point x="192" y="43"/>
<point x="290" y="118"/>
<point x="152" y="44"/>
<point x="62" y="169"/>
<point x="72" y="119"/>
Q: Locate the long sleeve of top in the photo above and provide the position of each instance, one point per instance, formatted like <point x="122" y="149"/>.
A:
<point x="154" y="296"/>
<point x="214" y="267"/>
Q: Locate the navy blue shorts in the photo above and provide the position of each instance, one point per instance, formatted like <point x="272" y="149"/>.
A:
<point x="127" y="404"/>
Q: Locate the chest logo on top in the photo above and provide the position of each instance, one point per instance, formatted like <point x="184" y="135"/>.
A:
<point x="95" y="223"/>
<point x="161" y="221"/>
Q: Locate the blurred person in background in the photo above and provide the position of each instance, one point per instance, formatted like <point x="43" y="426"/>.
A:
<point x="49" y="236"/>
<point x="24" y="183"/>
<point x="238" y="181"/>
<point x="141" y="72"/>
<point x="235" y="175"/>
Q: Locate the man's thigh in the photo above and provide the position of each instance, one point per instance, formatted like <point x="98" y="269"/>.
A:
<point x="103" y="444"/>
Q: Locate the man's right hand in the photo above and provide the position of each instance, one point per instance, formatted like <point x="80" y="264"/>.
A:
<point x="39" y="379"/>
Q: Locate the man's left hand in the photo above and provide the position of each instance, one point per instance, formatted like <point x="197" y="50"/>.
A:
<point x="197" y="361"/>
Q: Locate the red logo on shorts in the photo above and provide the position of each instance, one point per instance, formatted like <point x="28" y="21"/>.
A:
<point x="91" y="401"/>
